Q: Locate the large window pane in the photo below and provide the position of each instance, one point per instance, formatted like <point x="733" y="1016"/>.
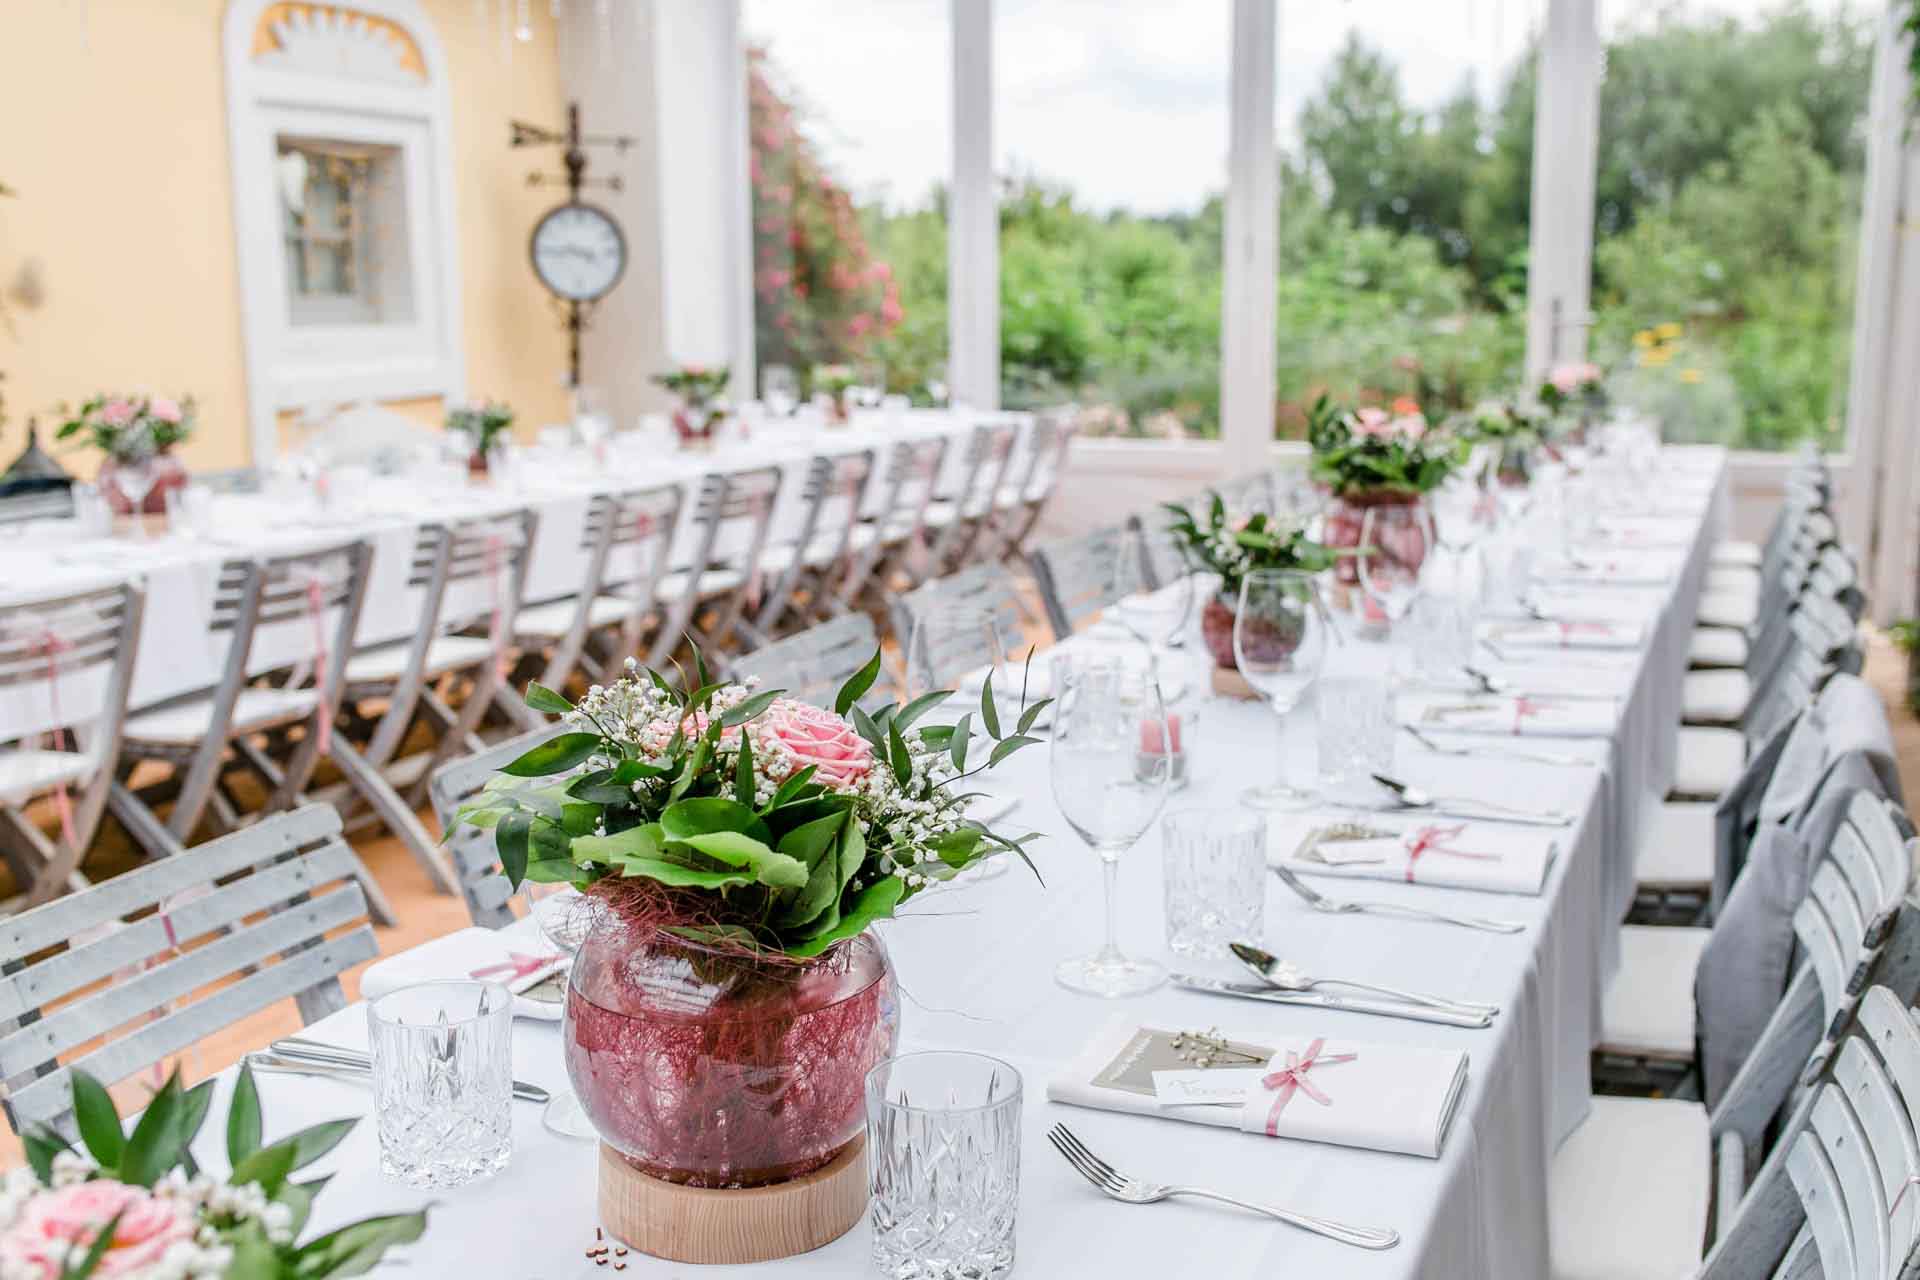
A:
<point x="1110" y="131"/>
<point x="849" y="113"/>
<point x="1727" y="210"/>
<point x="1405" y="136"/>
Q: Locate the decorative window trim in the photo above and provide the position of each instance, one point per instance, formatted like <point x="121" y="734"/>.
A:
<point x="370" y="71"/>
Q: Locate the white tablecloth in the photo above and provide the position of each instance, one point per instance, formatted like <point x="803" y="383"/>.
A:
<point x="975" y="968"/>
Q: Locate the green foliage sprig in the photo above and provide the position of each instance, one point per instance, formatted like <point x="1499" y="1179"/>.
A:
<point x="694" y="792"/>
<point x="1218" y="543"/>
<point x="481" y="423"/>
<point x="1372" y="450"/>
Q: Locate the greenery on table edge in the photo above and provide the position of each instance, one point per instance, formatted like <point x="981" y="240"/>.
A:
<point x="775" y="864"/>
<point x="160" y="1143"/>
<point x="481" y="423"/>
<point x="1348" y="462"/>
<point x="1262" y="542"/>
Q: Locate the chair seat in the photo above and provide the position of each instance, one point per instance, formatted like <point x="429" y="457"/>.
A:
<point x="1648" y="1008"/>
<point x="388" y="662"/>
<point x="1627" y="1192"/>
<point x="712" y="582"/>
<point x="1717" y="647"/>
<point x="1728" y="607"/>
<point x="1709" y="761"/>
<point x="1734" y="552"/>
<point x="187" y="723"/>
<point x="822" y="551"/>
<point x="1732" y="578"/>
<point x="29" y="772"/>
<point x="1678" y="850"/>
<point x="555" y="618"/>
<point x="1714" y="697"/>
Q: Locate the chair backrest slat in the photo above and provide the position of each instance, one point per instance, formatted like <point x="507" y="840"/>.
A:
<point x="1861" y="1076"/>
<point x="1079" y="578"/>
<point x="475" y="859"/>
<point x="1819" y="1187"/>
<point x="811" y="665"/>
<point x="1850" y="1154"/>
<point x="1824" y="952"/>
<point x="1829" y="889"/>
<point x="64" y="634"/>
<point x="984" y="587"/>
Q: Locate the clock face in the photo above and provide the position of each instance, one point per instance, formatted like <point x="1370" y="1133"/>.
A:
<point x="578" y="252"/>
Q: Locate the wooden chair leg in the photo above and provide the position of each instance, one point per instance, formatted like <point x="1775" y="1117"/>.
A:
<point x="381" y="797"/>
<point x="142" y="823"/>
<point x="486" y="686"/>
<point x="58" y="861"/>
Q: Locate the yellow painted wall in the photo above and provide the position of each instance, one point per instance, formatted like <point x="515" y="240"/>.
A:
<point x="113" y="136"/>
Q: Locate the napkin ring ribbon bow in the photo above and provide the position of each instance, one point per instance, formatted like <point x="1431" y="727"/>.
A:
<point x="1523" y="706"/>
<point x="1292" y="1079"/>
<point x="1433" y="840"/>
<point x="315" y="585"/>
<point x="1568" y="630"/>
<point x="517" y="965"/>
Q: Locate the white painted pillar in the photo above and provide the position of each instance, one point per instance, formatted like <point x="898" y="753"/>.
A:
<point x="1566" y="126"/>
<point x="973" y="215"/>
<point x="1249" y="252"/>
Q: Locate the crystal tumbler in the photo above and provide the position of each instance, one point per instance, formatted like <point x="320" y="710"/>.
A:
<point x="1215" y="866"/>
<point x="443" y="1081"/>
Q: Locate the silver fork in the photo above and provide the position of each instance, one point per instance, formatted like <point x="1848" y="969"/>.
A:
<point x="1119" y="1186"/>
<point x="1494" y="753"/>
<point x="1336" y="906"/>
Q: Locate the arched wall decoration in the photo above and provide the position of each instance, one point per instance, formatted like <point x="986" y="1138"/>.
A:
<point x="339" y="132"/>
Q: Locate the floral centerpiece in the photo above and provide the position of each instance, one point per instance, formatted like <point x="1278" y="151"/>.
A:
<point x="1233" y="547"/>
<point x="835" y="380"/>
<point x="1510" y="432"/>
<point x="734" y="845"/>
<point x="1574" y="388"/>
<point x="135" y="1206"/>
<point x="701" y="410"/>
<point x="482" y="424"/>
<point x="134" y="431"/>
<point x="1373" y="457"/>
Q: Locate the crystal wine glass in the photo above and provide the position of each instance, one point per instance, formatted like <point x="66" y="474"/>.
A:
<point x="1460" y="520"/>
<point x="565" y="917"/>
<point x="1280" y="638"/>
<point x="1394" y="542"/>
<point x="1158" y="615"/>
<point x="1109" y="791"/>
<point x="134" y="476"/>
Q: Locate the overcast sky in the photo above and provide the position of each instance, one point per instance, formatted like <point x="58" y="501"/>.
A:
<point x="1125" y="101"/>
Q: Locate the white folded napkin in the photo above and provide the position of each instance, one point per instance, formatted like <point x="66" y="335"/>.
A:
<point x="1449" y="853"/>
<point x="1523" y="716"/>
<point x="1378" y="1097"/>
<point x="521" y="965"/>
<point x="1617" y="568"/>
<point x="1582" y="634"/>
<point x="1647" y="532"/>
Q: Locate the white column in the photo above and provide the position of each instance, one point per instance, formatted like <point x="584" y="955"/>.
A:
<point x="1248" y="301"/>
<point x="973" y="215"/>
<point x="1566" y="126"/>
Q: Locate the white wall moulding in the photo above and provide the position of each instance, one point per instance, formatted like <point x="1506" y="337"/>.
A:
<point x="973" y="215"/>
<point x="366" y="79"/>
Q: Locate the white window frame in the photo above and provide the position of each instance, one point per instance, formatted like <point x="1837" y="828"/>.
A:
<point x="342" y="88"/>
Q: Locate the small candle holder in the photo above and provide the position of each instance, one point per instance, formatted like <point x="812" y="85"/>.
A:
<point x="1163" y="742"/>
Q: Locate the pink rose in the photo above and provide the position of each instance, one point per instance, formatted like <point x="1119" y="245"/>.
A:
<point x="1372" y="422"/>
<point x="815" y="736"/>
<point x="54" y="1221"/>
<point x="116" y="413"/>
<point x="164" y="409"/>
<point x="1568" y="378"/>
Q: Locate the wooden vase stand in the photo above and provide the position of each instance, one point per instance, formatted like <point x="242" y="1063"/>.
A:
<point x="753" y="1224"/>
<point x="1229" y="683"/>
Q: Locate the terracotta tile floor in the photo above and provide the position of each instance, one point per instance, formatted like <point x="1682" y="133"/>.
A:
<point x="425" y="914"/>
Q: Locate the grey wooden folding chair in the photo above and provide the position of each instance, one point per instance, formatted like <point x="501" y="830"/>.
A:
<point x="470" y="575"/>
<point x="802" y="571"/>
<point x="628" y="538"/>
<point x="957" y="520"/>
<point x="811" y="665"/>
<point x="705" y="599"/>
<point x="119" y="976"/>
<point x="1079" y="578"/>
<point x="47" y="647"/>
<point x="1020" y="503"/>
<point x="1162" y="558"/>
<point x="475" y="860"/>
<point x="908" y="480"/>
<point x="985" y="588"/>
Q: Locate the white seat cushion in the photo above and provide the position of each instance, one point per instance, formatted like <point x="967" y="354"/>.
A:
<point x="713" y="582"/>
<point x="189" y="722"/>
<point x="1709" y="761"/>
<point x="1733" y="552"/>
<point x="821" y="551"/>
<point x="1648" y="1008"/>
<point x="1732" y="578"/>
<point x="1728" y="607"/>
<point x="1717" y="647"/>
<point x="1678" y="850"/>
<point x="1627" y="1192"/>
<point x="1714" y="697"/>
<point x="29" y="772"/>
<point x="389" y="661"/>
<point x="555" y="618"/>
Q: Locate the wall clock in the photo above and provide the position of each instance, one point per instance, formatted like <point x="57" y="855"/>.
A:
<point x="579" y="252"/>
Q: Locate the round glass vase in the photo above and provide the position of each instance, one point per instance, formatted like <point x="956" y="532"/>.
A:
<point x="720" y="1068"/>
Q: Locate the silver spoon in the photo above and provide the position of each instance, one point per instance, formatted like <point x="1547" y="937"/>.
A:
<point x="1411" y="797"/>
<point x="1487" y="682"/>
<point x="1335" y="906"/>
<point x="1493" y="753"/>
<point x="1277" y="973"/>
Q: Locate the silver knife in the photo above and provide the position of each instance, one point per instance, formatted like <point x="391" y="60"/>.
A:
<point x="296" y="1050"/>
<point x="1544" y="818"/>
<point x="1339" y="1004"/>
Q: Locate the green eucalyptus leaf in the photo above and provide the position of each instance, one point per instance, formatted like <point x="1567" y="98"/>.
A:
<point x="314" y="1141"/>
<point x="541" y="698"/>
<point x="865" y="726"/>
<point x="156" y="1142"/>
<point x="1031" y="714"/>
<point x="198" y="1102"/>
<point x="897" y="753"/>
<point x="299" y="1198"/>
<point x="269" y="1167"/>
<point x="1007" y="746"/>
<point x="875" y="902"/>
<point x="702" y="815"/>
<point x="957" y="848"/>
<point x="737" y="850"/>
<point x="853" y="852"/>
<point x="556" y="755"/>
<point x="510" y="840"/>
<point x="815" y="844"/>
<point x="989" y="713"/>
<point x="680" y="875"/>
<point x="40" y="1149"/>
<point x="643" y="841"/>
<point x="926" y="702"/>
<point x="356" y="1249"/>
<point x="957" y="745"/>
<point x="857" y="685"/>
<point x="743" y="773"/>
<point x="97" y="1120"/>
<point x="790" y="789"/>
<point x="748" y="708"/>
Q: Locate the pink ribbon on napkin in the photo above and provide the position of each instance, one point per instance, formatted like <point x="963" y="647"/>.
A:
<point x="1568" y="630"/>
<point x="1433" y="840"/>
<point x="1292" y="1079"/>
<point x="517" y="965"/>
<point x="1523" y="706"/>
<point x="50" y="645"/>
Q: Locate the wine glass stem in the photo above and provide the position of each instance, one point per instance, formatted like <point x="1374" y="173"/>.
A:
<point x="1281" y="773"/>
<point x="1110" y="872"/>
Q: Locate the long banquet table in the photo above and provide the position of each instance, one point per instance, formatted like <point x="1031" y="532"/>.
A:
<point x="975" y="967"/>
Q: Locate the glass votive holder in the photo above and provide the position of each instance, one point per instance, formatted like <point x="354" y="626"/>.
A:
<point x="943" y="1153"/>
<point x="443" y="1081"/>
<point x="1214" y="862"/>
<point x="1440" y="630"/>
<point x="1356" y="730"/>
<point x="1166" y="741"/>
